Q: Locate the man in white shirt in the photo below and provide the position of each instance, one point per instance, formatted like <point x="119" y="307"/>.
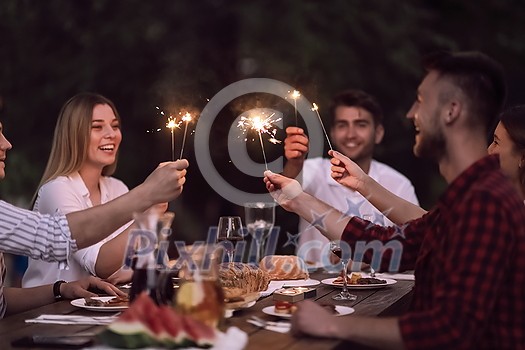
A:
<point x="356" y="127"/>
<point x="54" y="238"/>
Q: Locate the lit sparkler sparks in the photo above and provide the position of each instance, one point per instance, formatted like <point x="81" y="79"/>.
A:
<point x="316" y="109"/>
<point x="185" y="118"/>
<point x="262" y="126"/>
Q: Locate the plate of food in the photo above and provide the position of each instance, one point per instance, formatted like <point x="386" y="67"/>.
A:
<point x="104" y="304"/>
<point x="359" y="281"/>
<point x="280" y="309"/>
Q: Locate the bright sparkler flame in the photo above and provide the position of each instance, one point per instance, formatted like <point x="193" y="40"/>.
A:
<point x="187" y="117"/>
<point x="315" y="108"/>
<point x="296" y="94"/>
<point x="260" y="124"/>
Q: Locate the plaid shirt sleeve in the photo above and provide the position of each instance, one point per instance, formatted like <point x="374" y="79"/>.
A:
<point x="394" y="248"/>
<point x="469" y="268"/>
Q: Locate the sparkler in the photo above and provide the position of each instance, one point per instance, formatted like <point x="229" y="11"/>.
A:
<point x="185" y="118"/>
<point x="172" y="124"/>
<point x="261" y="126"/>
<point x="295" y="95"/>
<point x="316" y="109"/>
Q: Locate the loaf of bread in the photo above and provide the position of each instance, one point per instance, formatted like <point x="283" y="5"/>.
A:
<point x="284" y="267"/>
<point x="239" y="279"/>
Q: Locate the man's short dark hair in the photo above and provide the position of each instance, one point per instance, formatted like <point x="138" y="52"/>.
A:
<point x="357" y="98"/>
<point x="479" y="77"/>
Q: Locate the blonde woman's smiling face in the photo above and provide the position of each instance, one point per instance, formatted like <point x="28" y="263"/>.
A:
<point x="105" y="137"/>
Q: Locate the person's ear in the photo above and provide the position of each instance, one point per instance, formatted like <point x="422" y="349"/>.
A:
<point x="453" y="112"/>
<point x="379" y="133"/>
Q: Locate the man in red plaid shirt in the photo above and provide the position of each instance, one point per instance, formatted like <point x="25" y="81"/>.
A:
<point x="468" y="252"/>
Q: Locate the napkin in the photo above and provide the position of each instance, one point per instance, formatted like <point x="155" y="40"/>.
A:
<point x="283" y="327"/>
<point x="397" y="276"/>
<point x="73" y="319"/>
<point x="272" y="287"/>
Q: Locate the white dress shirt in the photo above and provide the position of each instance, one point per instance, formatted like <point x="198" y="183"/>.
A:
<point x="318" y="182"/>
<point x="69" y="194"/>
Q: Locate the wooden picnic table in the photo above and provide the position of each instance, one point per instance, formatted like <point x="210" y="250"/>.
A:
<point x="387" y="301"/>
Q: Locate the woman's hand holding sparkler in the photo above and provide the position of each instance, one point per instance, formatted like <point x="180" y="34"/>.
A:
<point x="283" y="189"/>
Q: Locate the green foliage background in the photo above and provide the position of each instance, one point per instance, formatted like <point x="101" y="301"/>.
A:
<point x="143" y="54"/>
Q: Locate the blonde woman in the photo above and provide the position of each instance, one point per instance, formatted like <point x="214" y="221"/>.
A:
<point x="78" y="176"/>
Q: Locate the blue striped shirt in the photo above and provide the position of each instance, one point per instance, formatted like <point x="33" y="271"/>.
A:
<point x="38" y="236"/>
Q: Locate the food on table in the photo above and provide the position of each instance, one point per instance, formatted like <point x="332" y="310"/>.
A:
<point x="144" y="324"/>
<point x="284" y="307"/>
<point x="357" y="278"/>
<point x="116" y="301"/>
<point x="239" y="279"/>
<point x="284" y="267"/>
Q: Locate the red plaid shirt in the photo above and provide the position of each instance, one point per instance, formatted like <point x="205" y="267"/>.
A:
<point x="469" y="259"/>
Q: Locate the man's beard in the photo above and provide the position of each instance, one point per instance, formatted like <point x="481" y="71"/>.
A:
<point x="431" y="145"/>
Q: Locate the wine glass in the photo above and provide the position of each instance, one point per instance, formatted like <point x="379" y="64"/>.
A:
<point x="335" y="248"/>
<point x="259" y="219"/>
<point x="229" y="232"/>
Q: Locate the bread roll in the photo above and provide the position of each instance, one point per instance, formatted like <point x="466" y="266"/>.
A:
<point x="239" y="279"/>
<point x="284" y="267"/>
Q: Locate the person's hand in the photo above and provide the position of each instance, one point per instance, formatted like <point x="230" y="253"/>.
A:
<point x="120" y="276"/>
<point x="283" y="189"/>
<point x="312" y="319"/>
<point x="295" y="143"/>
<point x="347" y="172"/>
<point x="166" y="182"/>
<point x="79" y="289"/>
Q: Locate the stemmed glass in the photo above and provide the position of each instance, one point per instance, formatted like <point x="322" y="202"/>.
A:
<point x="335" y="248"/>
<point x="259" y="219"/>
<point x="229" y="232"/>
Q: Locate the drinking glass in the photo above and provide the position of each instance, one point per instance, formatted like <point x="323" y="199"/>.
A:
<point x="229" y="232"/>
<point x="259" y="220"/>
<point x="335" y="248"/>
<point x="200" y="294"/>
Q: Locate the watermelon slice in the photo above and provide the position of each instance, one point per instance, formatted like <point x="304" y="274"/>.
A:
<point x="145" y="324"/>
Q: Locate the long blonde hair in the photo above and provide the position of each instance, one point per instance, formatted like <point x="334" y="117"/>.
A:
<point x="71" y="138"/>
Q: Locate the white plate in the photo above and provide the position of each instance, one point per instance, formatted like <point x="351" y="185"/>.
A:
<point x="82" y="303"/>
<point x="342" y="311"/>
<point x="388" y="282"/>
<point x="300" y="283"/>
